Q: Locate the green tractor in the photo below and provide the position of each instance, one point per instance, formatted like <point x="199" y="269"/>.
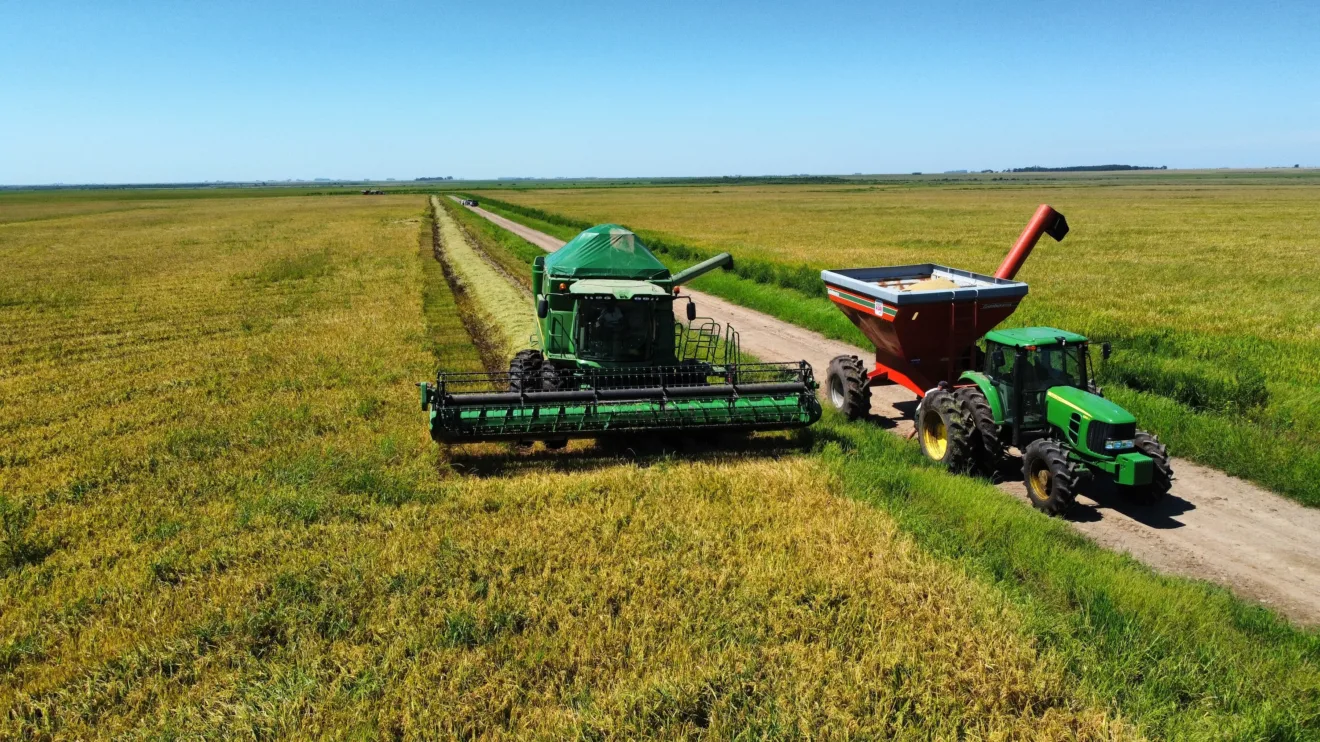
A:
<point x="611" y="358"/>
<point x="1028" y="388"/>
<point x="1035" y="392"/>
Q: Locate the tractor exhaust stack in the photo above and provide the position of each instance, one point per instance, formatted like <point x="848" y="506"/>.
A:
<point x="1045" y="221"/>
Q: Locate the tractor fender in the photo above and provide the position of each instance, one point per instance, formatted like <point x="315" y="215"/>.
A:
<point x="987" y="388"/>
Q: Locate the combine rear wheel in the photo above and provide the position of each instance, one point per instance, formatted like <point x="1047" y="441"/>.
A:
<point x="987" y="449"/>
<point x="945" y="431"/>
<point x="848" y="390"/>
<point x="525" y="371"/>
<point x="1050" y="477"/>
<point x="1161" y="480"/>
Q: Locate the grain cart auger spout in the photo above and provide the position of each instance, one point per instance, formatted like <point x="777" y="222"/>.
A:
<point x="612" y="358"/>
<point x="1030" y="388"/>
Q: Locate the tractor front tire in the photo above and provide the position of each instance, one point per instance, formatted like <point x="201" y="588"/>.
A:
<point x="848" y="387"/>
<point x="1161" y="480"/>
<point x="525" y="371"/>
<point x="1051" y="478"/>
<point x="945" y="432"/>
<point x="987" y="449"/>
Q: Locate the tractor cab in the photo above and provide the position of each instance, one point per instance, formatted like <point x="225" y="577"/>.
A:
<point x="1024" y="364"/>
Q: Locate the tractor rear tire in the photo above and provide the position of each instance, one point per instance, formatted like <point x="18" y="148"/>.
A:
<point x="945" y="432"/>
<point x="1161" y="480"/>
<point x="525" y="371"/>
<point x="987" y="449"/>
<point x="1051" y="478"/>
<point x="848" y="387"/>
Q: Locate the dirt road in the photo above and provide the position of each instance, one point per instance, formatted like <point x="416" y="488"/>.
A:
<point x="1212" y="527"/>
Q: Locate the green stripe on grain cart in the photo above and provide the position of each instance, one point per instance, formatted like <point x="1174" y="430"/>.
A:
<point x="856" y="301"/>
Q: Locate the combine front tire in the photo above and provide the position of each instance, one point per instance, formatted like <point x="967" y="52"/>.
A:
<point x="525" y="371"/>
<point x="987" y="449"/>
<point x="550" y="382"/>
<point x="945" y="431"/>
<point x="848" y="390"/>
<point x="1161" y="480"/>
<point x="1050" y="477"/>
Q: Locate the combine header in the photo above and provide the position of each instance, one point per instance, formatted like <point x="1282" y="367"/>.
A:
<point x="613" y="359"/>
<point x="1028" y="388"/>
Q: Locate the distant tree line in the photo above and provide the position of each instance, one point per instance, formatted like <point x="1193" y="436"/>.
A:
<point x="1084" y="168"/>
<point x="438" y="177"/>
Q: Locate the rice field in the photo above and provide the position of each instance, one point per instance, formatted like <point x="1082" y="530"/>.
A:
<point x="1204" y="287"/>
<point x="222" y="518"/>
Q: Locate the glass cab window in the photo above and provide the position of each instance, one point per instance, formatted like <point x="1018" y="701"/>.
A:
<point x="1042" y="368"/>
<point x="612" y="330"/>
<point x="1056" y="365"/>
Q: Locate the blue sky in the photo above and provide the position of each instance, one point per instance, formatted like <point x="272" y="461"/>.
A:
<point x="154" y="92"/>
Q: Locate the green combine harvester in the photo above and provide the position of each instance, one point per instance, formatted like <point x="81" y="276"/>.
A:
<point x="612" y="358"/>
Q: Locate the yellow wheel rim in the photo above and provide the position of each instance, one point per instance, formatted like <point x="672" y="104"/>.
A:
<point x="934" y="437"/>
<point x="1040" y="483"/>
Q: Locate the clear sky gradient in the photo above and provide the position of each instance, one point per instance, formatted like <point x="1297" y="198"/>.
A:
<point x="126" y="92"/>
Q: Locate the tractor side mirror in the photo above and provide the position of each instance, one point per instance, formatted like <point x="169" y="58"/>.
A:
<point x="542" y="308"/>
<point x="1106" y="350"/>
<point x="691" y="311"/>
<point x="997" y="358"/>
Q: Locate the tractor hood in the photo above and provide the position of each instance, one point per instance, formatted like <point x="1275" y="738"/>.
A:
<point x="1090" y="405"/>
<point x="605" y="251"/>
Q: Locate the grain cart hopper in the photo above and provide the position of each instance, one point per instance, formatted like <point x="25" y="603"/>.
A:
<point x="611" y="358"/>
<point x="1029" y="388"/>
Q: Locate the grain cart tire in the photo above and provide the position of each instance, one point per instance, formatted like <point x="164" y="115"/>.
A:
<point x="550" y="382"/>
<point x="945" y="431"/>
<point x="1161" y="480"/>
<point x="1051" y="479"/>
<point x="987" y="449"/>
<point x="525" y="371"/>
<point x="847" y="387"/>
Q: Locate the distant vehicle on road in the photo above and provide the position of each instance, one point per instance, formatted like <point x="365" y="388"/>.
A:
<point x="469" y="202"/>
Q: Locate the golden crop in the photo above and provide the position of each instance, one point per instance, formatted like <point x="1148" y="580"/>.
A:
<point x="236" y="525"/>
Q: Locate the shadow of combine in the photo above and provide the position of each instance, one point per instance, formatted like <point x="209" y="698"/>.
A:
<point x="643" y="450"/>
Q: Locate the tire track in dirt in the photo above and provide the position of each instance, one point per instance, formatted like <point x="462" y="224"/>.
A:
<point x="1212" y="526"/>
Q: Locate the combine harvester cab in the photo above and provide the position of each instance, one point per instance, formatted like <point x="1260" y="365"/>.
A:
<point x="1029" y="388"/>
<point x="612" y="358"/>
